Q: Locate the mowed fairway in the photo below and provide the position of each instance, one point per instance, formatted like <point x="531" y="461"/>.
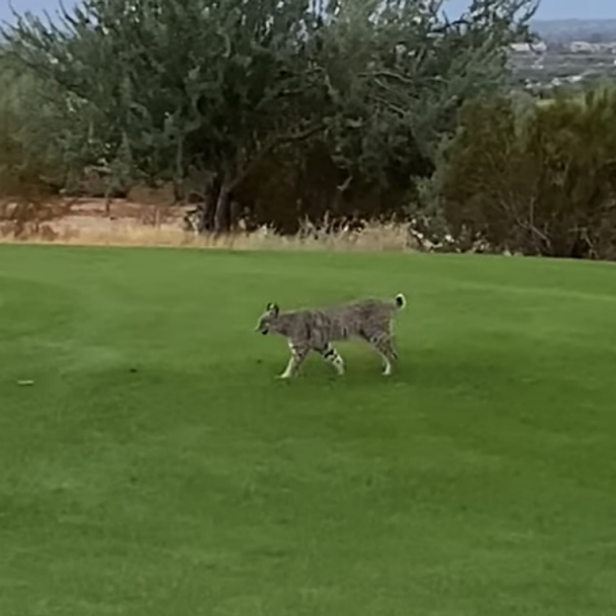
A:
<point x="156" y="467"/>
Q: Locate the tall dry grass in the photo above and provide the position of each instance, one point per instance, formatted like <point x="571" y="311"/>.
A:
<point x="141" y="228"/>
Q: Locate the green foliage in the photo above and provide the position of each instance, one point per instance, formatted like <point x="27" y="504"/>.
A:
<point x="27" y="117"/>
<point x="211" y="101"/>
<point x="163" y="89"/>
<point x="42" y="144"/>
<point x="543" y="182"/>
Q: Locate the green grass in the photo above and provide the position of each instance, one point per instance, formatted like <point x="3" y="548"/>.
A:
<point x="157" y="468"/>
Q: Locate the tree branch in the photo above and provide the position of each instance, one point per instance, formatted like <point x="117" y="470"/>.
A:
<point x="273" y="144"/>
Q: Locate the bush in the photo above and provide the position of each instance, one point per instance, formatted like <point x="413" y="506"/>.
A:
<point x="31" y="161"/>
<point x="541" y="182"/>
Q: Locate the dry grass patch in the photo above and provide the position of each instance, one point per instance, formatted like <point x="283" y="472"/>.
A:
<point x="136" y="224"/>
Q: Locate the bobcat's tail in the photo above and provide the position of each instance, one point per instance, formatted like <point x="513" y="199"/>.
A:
<point x="400" y="301"/>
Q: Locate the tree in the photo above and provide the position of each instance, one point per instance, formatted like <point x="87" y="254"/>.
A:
<point x="377" y="81"/>
<point x="30" y="120"/>
<point x="241" y="83"/>
<point x="542" y="182"/>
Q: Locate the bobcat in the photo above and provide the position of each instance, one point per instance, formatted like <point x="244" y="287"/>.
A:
<point x="314" y="329"/>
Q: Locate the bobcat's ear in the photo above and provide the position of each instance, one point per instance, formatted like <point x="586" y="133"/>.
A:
<point x="273" y="308"/>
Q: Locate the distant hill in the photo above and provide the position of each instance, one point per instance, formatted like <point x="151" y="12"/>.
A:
<point x="564" y="31"/>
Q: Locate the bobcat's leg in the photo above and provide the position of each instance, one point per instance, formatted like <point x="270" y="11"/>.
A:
<point x="299" y="353"/>
<point x="332" y="356"/>
<point x="382" y="343"/>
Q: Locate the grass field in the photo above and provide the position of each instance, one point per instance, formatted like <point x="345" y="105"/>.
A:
<point x="156" y="467"/>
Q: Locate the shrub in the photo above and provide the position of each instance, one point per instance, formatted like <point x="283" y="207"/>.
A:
<point x="542" y="182"/>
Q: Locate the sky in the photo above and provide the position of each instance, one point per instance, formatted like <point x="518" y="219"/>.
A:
<point x="550" y="9"/>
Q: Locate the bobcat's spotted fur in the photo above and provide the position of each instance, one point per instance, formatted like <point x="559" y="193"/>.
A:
<point x="314" y="329"/>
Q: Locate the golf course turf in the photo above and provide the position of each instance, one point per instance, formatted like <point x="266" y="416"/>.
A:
<point x="151" y="464"/>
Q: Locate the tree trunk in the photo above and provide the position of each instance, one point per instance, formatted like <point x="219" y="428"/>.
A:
<point x="220" y="211"/>
<point x="222" y="215"/>
<point x="179" y="191"/>
<point x="222" y="218"/>
<point x="235" y="211"/>
<point x="207" y="207"/>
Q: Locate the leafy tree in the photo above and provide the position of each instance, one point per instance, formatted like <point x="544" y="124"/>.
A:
<point x="240" y="83"/>
<point x="169" y="89"/>
<point x="543" y="182"/>
<point x="29" y="121"/>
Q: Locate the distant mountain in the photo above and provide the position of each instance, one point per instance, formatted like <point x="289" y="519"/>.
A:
<point x="564" y="31"/>
<point x="556" y="32"/>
